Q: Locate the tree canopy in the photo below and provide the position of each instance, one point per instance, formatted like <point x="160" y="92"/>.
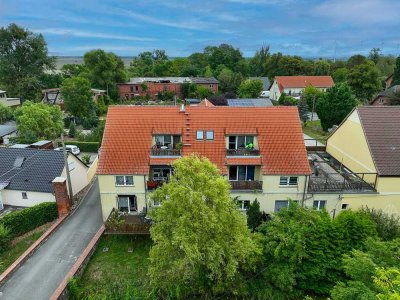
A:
<point x="396" y="73"/>
<point x="250" y="88"/>
<point x="335" y="105"/>
<point x="23" y="59"/>
<point x="201" y="241"/>
<point x="38" y="121"/>
<point x="77" y="96"/>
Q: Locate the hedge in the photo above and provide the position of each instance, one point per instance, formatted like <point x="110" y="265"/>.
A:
<point x="27" y="219"/>
<point x="85" y="146"/>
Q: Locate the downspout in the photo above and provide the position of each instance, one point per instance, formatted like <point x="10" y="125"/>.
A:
<point x="304" y="191"/>
<point x="145" y="193"/>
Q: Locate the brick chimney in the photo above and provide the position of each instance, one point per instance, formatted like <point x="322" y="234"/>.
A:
<point x="61" y="194"/>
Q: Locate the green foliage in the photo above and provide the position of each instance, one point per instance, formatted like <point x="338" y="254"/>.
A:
<point x="23" y="59"/>
<point x="322" y="67"/>
<point x="228" y="80"/>
<point x="287" y="100"/>
<point x="225" y="55"/>
<point x="188" y="90"/>
<point x="356" y="60"/>
<point x="77" y="95"/>
<point x="388" y="282"/>
<point x="86" y="146"/>
<point x="374" y="55"/>
<point x="24" y="220"/>
<point x="303" y="110"/>
<point x="72" y="70"/>
<point x="396" y="72"/>
<point x="5" y="238"/>
<point x="201" y="241"/>
<point x="258" y="62"/>
<point x="387" y="226"/>
<point x="250" y="88"/>
<point x="105" y="70"/>
<point x="6" y="113"/>
<point x="364" y="80"/>
<point x="340" y="75"/>
<point x="353" y="290"/>
<point x="203" y="92"/>
<point x="100" y="105"/>
<point x="335" y="105"/>
<point x="86" y="159"/>
<point x="254" y="215"/>
<point x="311" y="95"/>
<point x="72" y="130"/>
<point x="38" y="121"/>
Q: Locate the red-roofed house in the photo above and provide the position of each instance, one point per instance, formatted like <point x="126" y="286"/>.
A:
<point x="141" y="142"/>
<point x="294" y="85"/>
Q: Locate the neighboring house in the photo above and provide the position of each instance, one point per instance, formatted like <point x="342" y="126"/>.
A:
<point x="266" y="85"/>
<point x="26" y="175"/>
<point x="10" y="102"/>
<point x="153" y="86"/>
<point x="295" y="85"/>
<point x="368" y="142"/>
<point x="388" y="81"/>
<point x="6" y="132"/>
<point x="383" y="98"/>
<point x="141" y="142"/>
<point x="249" y="102"/>
<point x="53" y="96"/>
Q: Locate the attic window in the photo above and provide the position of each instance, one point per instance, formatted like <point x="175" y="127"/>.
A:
<point x="209" y="135"/>
<point x="18" y="162"/>
<point x="199" y="135"/>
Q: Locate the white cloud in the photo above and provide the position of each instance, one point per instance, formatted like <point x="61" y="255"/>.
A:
<point x="90" y="34"/>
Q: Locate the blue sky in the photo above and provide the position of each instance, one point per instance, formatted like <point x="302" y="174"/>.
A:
<point x="310" y="28"/>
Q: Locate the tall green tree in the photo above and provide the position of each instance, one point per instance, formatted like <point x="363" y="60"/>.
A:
<point x="201" y="241"/>
<point x="104" y="70"/>
<point x="77" y="96"/>
<point x="335" y="105"/>
<point x="254" y="215"/>
<point x="303" y="110"/>
<point x="225" y="55"/>
<point x="38" y="121"/>
<point x="229" y="81"/>
<point x="23" y="59"/>
<point x="311" y="95"/>
<point x="396" y="72"/>
<point x="374" y="55"/>
<point x="258" y="62"/>
<point x="322" y="67"/>
<point x="250" y="88"/>
<point x="364" y="80"/>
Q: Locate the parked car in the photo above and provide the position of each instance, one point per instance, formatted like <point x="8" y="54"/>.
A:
<point x="264" y="94"/>
<point x="70" y="148"/>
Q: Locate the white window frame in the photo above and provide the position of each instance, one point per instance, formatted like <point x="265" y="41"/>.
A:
<point x="242" y="204"/>
<point x="125" y="184"/>
<point x="197" y="135"/>
<point x="287" y="178"/>
<point x="237" y="138"/>
<point x="318" y="207"/>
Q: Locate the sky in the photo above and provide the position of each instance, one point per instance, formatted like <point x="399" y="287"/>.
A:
<point x="309" y="28"/>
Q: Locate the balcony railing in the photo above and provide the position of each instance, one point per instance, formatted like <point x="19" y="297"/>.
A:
<point x="165" y="152"/>
<point x="246" y="185"/>
<point x="242" y="152"/>
<point x="154" y="184"/>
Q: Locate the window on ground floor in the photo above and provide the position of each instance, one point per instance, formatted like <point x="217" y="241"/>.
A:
<point x="243" y="204"/>
<point x="279" y="204"/>
<point x="319" y="204"/>
<point x="127" y="203"/>
<point x="288" y="181"/>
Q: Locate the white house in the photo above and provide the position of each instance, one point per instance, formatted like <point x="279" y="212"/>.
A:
<point x="294" y="85"/>
<point x="26" y="175"/>
<point x="11" y="102"/>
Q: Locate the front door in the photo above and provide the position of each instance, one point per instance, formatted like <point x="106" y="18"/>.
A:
<point x="132" y="204"/>
<point x="127" y="203"/>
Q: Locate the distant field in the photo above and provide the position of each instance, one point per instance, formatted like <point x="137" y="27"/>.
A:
<point x="63" y="60"/>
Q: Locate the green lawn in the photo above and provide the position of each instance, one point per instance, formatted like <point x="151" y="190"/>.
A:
<point x="314" y="130"/>
<point x="117" y="273"/>
<point x="15" y="250"/>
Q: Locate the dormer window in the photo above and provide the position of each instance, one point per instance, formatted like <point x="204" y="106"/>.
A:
<point x="168" y="141"/>
<point x="241" y="142"/>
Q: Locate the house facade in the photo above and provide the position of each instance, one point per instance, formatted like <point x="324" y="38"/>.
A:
<point x="26" y="175"/>
<point x="153" y="86"/>
<point x="295" y="85"/>
<point x="383" y="98"/>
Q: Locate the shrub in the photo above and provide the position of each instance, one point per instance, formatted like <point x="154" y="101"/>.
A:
<point x="21" y="221"/>
<point x="86" y="159"/>
<point x="72" y="130"/>
<point x="254" y="215"/>
<point x="387" y="226"/>
<point x="5" y="238"/>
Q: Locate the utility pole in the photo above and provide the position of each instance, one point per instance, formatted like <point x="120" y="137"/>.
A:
<point x="67" y="167"/>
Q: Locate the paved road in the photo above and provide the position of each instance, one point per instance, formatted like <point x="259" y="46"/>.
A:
<point x="41" y="274"/>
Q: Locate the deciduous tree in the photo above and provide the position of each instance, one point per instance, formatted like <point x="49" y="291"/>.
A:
<point x="396" y="73"/>
<point x="77" y="96"/>
<point x="250" y="88"/>
<point x="201" y="241"/>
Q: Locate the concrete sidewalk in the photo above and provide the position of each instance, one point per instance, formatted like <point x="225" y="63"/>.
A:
<point x="41" y="274"/>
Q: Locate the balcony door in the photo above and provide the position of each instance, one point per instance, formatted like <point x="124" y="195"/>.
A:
<point x="240" y="173"/>
<point x="127" y="203"/>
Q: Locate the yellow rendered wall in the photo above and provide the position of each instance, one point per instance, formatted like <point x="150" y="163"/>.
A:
<point x="349" y="146"/>
<point x="109" y="192"/>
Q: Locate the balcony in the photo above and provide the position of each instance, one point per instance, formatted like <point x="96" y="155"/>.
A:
<point x="165" y="152"/>
<point x="122" y="223"/>
<point x="246" y="185"/>
<point x="242" y="152"/>
<point x="330" y="176"/>
<point x="154" y="184"/>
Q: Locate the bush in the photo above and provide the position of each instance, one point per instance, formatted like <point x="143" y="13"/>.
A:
<point x="86" y="159"/>
<point x="72" y="130"/>
<point x="22" y="221"/>
<point x="5" y="238"/>
<point x="254" y="215"/>
<point x="387" y="226"/>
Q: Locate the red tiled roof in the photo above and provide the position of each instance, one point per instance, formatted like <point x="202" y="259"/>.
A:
<point x="304" y="81"/>
<point x="128" y="136"/>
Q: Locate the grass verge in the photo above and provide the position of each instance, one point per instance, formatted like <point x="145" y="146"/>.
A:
<point x="118" y="273"/>
<point x="314" y="130"/>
